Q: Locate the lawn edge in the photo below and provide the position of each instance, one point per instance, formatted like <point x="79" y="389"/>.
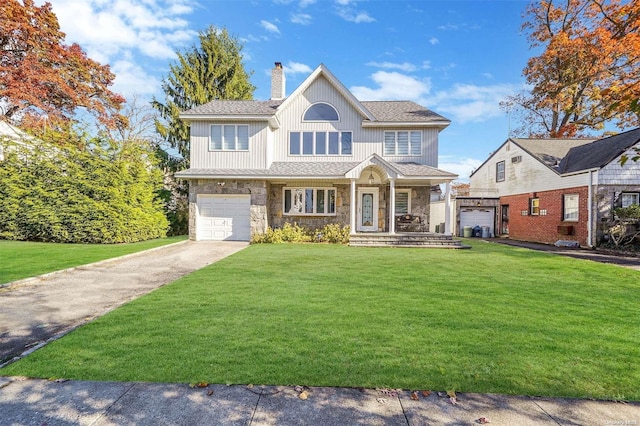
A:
<point x="14" y="284"/>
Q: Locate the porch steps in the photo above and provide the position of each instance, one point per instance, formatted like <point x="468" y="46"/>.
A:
<point x="414" y="239"/>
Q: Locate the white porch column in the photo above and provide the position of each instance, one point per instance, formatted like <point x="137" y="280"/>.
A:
<point x="352" y="206"/>
<point x="447" y="209"/>
<point x="392" y="206"/>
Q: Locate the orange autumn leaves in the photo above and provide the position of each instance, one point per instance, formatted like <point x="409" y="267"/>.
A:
<point x="40" y="75"/>
<point x="589" y="71"/>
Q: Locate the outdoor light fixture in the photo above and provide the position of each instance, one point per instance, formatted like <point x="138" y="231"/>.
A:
<point x="371" y="178"/>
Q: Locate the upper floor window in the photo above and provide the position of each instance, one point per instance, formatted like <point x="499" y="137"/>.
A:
<point x="629" y="198"/>
<point x="321" y="112"/>
<point x="403" y="143"/>
<point x="571" y="207"/>
<point x="403" y="201"/>
<point x="500" y="171"/>
<point x="229" y="137"/>
<point x="320" y="143"/>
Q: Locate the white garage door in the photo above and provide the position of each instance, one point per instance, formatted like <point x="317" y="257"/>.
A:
<point x="477" y="216"/>
<point x="223" y="217"/>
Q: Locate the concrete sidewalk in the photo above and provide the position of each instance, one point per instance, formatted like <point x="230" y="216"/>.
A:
<point x="33" y="311"/>
<point x="39" y="402"/>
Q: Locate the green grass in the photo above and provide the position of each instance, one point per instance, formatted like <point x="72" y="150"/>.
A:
<point x="491" y="319"/>
<point x="21" y="259"/>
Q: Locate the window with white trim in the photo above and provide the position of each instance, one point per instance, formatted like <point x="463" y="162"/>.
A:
<point x="320" y="143"/>
<point x="229" y="137"/>
<point x="321" y="111"/>
<point x="629" y="198"/>
<point x="534" y="206"/>
<point x="570" y="207"/>
<point x="500" y="165"/>
<point x="403" y="143"/>
<point x="403" y="201"/>
<point x="309" y="201"/>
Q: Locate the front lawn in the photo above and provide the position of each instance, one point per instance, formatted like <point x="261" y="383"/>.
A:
<point x="491" y="319"/>
<point x="22" y="259"/>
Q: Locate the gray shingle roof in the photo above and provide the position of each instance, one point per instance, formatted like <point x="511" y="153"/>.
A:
<point x="226" y="108"/>
<point x="549" y="151"/>
<point x="401" y="111"/>
<point x="310" y="169"/>
<point x="599" y="153"/>
<point x="384" y="111"/>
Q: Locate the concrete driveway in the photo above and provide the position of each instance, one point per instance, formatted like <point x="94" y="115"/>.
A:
<point x="33" y="311"/>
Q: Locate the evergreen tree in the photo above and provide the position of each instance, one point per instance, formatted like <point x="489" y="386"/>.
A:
<point x="211" y="71"/>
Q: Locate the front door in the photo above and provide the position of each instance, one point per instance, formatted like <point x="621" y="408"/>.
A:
<point x="504" y="220"/>
<point x="367" y="209"/>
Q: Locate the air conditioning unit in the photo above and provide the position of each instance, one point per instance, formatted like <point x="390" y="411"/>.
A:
<point x="516" y="159"/>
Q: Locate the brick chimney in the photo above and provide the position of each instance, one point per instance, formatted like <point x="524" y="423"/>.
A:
<point x="277" y="82"/>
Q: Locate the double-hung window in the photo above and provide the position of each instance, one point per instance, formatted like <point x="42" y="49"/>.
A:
<point x="229" y="137"/>
<point x="403" y="143"/>
<point x="403" y="202"/>
<point x="570" y="207"/>
<point x="310" y="201"/>
<point x="500" y="171"/>
<point x="534" y="206"/>
<point x="629" y="198"/>
<point x="320" y="143"/>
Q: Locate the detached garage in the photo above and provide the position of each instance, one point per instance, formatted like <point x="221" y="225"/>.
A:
<point x="480" y="216"/>
<point x="223" y="217"/>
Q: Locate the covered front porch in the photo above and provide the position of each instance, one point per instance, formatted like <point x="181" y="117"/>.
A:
<point x="394" y="198"/>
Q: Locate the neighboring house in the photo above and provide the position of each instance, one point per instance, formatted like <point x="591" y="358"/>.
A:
<point x="547" y="190"/>
<point x="11" y="134"/>
<point x="318" y="156"/>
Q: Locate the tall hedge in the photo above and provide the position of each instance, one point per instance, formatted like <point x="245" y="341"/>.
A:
<point x="92" y="194"/>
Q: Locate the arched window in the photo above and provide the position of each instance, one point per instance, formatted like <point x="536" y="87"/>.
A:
<point x="321" y="112"/>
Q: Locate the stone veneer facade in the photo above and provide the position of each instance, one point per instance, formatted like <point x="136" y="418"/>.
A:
<point x="267" y="204"/>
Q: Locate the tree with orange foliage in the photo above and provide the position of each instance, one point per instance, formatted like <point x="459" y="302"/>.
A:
<point x="41" y="77"/>
<point x="589" y="71"/>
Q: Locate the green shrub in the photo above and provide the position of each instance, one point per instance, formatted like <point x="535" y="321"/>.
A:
<point x="97" y="193"/>
<point x="631" y="212"/>
<point x="295" y="233"/>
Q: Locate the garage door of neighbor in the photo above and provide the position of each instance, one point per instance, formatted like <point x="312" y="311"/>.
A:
<point x="483" y="216"/>
<point x="223" y="217"/>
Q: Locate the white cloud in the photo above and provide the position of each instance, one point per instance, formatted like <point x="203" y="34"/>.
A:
<point x="297" y="68"/>
<point x="433" y="41"/>
<point x="393" y="86"/>
<point x="426" y="65"/>
<point x="459" y="165"/>
<point x="301" y="18"/>
<point x="471" y="103"/>
<point x="349" y="14"/>
<point x="305" y="3"/>
<point x="270" y="27"/>
<point x="405" y="66"/>
<point x="115" y="32"/>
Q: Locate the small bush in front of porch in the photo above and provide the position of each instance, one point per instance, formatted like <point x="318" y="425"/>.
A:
<point x="333" y="233"/>
<point x="294" y="233"/>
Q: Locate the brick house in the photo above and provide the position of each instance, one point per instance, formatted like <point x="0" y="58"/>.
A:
<point x="559" y="189"/>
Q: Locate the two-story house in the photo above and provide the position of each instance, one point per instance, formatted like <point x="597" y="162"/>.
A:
<point x="315" y="157"/>
<point x="548" y="190"/>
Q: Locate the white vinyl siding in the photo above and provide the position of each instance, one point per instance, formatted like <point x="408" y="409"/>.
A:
<point x="229" y="138"/>
<point x="403" y="143"/>
<point x="571" y="208"/>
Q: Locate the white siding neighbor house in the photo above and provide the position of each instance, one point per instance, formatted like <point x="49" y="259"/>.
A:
<point x="549" y="190"/>
<point x="318" y="156"/>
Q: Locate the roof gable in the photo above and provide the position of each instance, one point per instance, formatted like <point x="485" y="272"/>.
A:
<point x="549" y="152"/>
<point x="323" y="71"/>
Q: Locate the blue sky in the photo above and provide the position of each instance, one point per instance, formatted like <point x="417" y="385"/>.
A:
<point x="459" y="58"/>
